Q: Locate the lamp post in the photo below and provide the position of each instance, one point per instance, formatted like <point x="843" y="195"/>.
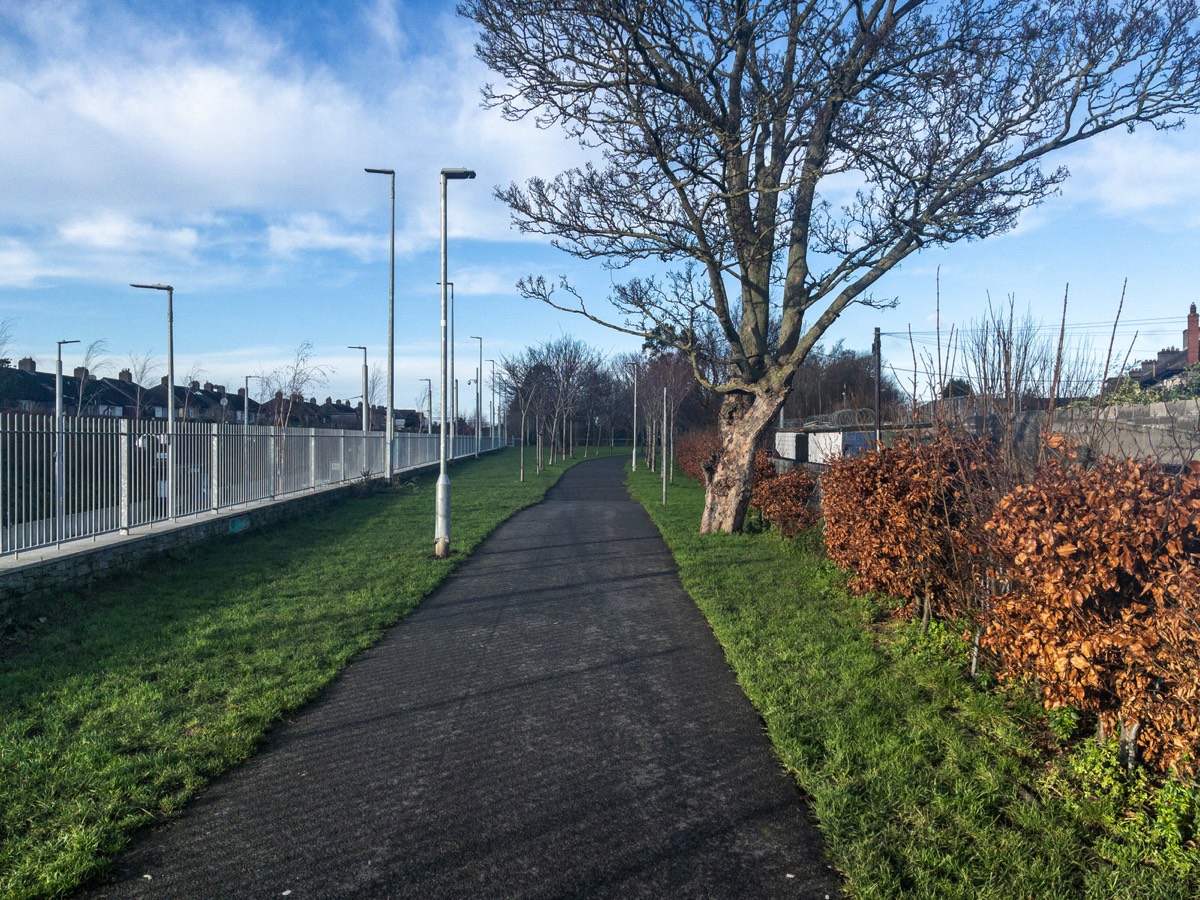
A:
<point x="492" y="414"/>
<point x="634" y="416"/>
<point x="170" y="390"/>
<point x="441" y="536"/>
<point x="389" y="425"/>
<point x="58" y="443"/>
<point x="453" y="375"/>
<point x="478" y="397"/>
<point x="366" y="422"/>
<point x="429" y="393"/>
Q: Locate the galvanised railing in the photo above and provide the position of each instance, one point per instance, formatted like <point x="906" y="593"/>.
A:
<point x="104" y="475"/>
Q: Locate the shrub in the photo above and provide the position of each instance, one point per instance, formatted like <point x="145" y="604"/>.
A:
<point x="696" y="449"/>
<point x="908" y="521"/>
<point x="1103" y="574"/>
<point x="783" y="498"/>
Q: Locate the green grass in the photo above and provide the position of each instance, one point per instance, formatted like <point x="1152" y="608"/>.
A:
<point x="923" y="784"/>
<point x="131" y="697"/>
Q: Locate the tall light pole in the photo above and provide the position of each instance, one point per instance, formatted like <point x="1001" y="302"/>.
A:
<point x="366" y="422"/>
<point x="170" y="390"/>
<point x="58" y="443"/>
<point x="492" y="414"/>
<point x="635" y="416"/>
<point x="441" y="531"/>
<point x="478" y="397"/>
<point x="429" y="390"/>
<point x="390" y="425"/>
<point x="453" y="374"/>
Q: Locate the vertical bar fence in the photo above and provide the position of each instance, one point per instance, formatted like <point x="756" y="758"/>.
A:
<point x="108" y="475"/>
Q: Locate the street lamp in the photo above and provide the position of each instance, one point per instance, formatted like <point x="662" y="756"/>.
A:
<point x="492" y="415"/>
<point x="170" y="390"/>
<point x="635" y="369"/>
<point x="366" y="425"/>
<point x="389" y="426"/>
<point x="441" y="535"/>
<point x="429" y="393"/>
<point x="478" y="397"/>
<point x="453" y="378"/>
<point x="58" y="443"/>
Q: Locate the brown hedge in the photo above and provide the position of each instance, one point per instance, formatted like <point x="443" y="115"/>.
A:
<point x="1103" y="570"/>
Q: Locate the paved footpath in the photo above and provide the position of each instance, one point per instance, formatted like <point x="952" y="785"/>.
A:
<point x="557" y="720"/>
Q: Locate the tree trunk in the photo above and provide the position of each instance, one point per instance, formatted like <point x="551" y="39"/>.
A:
<point x="742" y="420"/>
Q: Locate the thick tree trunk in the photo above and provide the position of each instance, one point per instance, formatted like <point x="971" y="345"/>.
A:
<point x="742" y="421"/>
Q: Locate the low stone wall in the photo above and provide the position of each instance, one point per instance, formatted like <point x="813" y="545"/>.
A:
<point x="80" y="567"/>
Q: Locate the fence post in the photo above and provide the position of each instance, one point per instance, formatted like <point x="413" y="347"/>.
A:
<point x="312" y="459"/>
<point x="214" y="482"/>
<point x="125" y="477"/>
<point x="271" y="442"/>
<point x="342" y="454"/>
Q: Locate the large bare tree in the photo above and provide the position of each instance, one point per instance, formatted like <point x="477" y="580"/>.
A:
<point x="798" y="150"/>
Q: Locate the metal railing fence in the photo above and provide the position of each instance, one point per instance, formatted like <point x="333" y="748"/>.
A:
<point x="102" y="475"/>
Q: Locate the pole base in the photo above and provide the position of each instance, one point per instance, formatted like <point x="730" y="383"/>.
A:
<point x="441" y="529"/>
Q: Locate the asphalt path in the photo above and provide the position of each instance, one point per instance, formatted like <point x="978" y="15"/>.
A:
<point x="557" y="720"/>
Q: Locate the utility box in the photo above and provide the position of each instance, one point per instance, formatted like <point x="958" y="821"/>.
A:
<point x="824" y="446"/>
<point x="792" y="445"/>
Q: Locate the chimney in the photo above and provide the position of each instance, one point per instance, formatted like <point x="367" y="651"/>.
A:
<point x="27" y="364"/>
<point x="195" y="385"/>
<point x="208" y="385"/>
<point x="81" y="373"/>
<point x="126" y="376"/>
<point x="1191" y="337"/>
<point x="163" y="382"/>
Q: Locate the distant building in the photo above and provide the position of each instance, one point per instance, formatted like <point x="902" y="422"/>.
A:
<point x="1168" y="367"/>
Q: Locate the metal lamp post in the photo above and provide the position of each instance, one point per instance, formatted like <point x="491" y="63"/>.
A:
<point x="366" y="426"/>
<point x="170" y="390"/>
<point x="635" y="417"/>
<point x="441" y="536"/>
<point x="389" y="425"/>
<point x="453" y="377"/>
<point x="492" y="414"/>
<point x="478" y="397"/>
<point x="58" y="443"/>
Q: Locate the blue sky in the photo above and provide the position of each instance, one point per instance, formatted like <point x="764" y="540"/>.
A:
<point x="220" y="147"/>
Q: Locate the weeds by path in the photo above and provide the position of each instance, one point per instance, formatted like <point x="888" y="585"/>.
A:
<point x="137" y="693"/>
<point x="923" y="785"/>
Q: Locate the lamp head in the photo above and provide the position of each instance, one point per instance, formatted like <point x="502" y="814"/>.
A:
<point x="454" y="173"/>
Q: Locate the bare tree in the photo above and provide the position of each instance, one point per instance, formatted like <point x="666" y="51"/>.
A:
<point x="797" y="152"/>
<point x="376" y="389"/>
<point x="141" y="372"/>
<point x="192" y="376"/>
<point x="526" y="378"/>
<point x="6" y="327"/>
<point x="291" y="383"/>
<point x="94" y="362"/>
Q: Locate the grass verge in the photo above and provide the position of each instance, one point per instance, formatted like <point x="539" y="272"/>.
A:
<point x="923" y="784"/>
<point x="133" y="696"/>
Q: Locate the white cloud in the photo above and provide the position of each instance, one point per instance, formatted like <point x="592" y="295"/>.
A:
<point x="383" y="20"/>
<point x="117" y="231"/>
<point x="1154" y="176"/>
<point x="311" y="231"/>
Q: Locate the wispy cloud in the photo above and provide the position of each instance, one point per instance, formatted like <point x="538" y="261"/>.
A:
<point x="311" y="231"/>
<point x="1151" y="175"/>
